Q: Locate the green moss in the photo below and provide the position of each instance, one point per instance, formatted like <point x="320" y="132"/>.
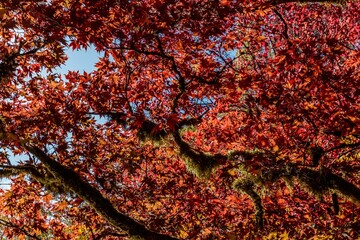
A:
<point x="244" y="155"/>
<point x="243" y="184"/>
<point x="188" y="128"/>
<point x="289" y="184"/>
<point x="199" y="163"/>
<point x="136" y="238"/>
<point x="202" y="165"/>
<point x="149" y="132"/>
<point x="246" y="186"/>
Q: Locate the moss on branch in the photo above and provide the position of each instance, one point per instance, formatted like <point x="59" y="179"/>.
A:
<point x="199" y="163"/>
<point x="45" y="179"/>
<point x="315" y="182"/>
<point x="74" y="183"/>
<point x="246" y="186"/>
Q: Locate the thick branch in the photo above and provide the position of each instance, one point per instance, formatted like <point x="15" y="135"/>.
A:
<point x="94" y="198"/>
<point x="247" y="186"/>
<point x="317" y="182"/>
<point x="9" y="171"/>
<point x="199" y="163"/>
<point x="47" y="180"/>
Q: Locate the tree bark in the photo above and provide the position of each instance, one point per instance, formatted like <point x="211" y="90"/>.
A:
<point x="94" y="198"/>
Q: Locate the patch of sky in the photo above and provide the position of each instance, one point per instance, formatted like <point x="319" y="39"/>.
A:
<point x="79" y="60"/>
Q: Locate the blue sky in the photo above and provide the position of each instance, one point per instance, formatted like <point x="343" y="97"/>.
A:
<point x="79" y="60"/>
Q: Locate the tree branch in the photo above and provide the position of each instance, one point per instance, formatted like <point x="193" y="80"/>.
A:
<point x="199" y="163"/>
<point x="247" y="186"/>
<point x="285" y="32"/>
<point x="315" y="182"/>
<point x="47" y="180"/>
<point x="94" y="198"/>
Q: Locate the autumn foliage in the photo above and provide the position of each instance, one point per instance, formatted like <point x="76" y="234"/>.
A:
<point x="217" y="119"/>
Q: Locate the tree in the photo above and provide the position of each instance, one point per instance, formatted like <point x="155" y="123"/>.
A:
<point x="202" y="119"/>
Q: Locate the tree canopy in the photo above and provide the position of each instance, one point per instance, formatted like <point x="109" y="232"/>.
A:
<point x="216" y="119"/>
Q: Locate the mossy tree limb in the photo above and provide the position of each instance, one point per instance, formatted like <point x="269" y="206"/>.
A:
<point x="246" y="186"/>
<point x="316" y="182"/>
<point x="199" y="163"/>
<point x="46" y="179"/>
<point x="333" y="182"/>
<point x="94" y="198"/>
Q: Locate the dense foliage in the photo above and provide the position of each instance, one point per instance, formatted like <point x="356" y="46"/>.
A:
<point x="217" y="119"/>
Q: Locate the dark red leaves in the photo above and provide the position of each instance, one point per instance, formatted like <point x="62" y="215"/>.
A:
<point x="261" y="93"/>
